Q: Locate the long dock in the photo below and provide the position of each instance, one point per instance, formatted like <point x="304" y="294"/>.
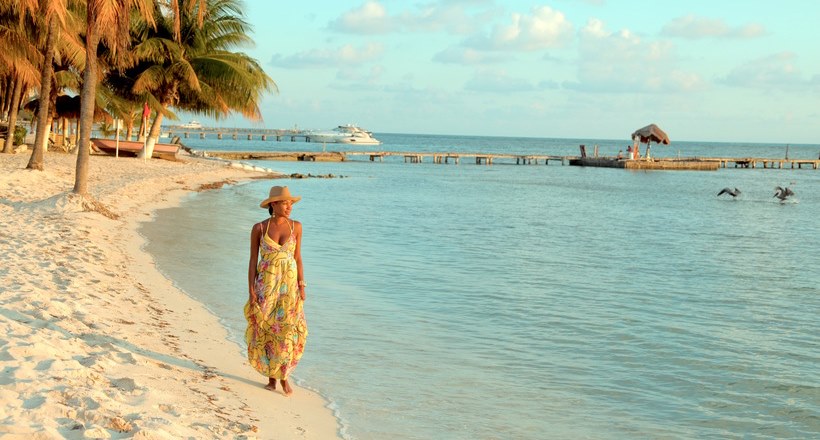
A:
<point x="295" y="134"/>
<point x="694" y="163"/>
<point x="237" y="133"/>
<point x="373" y="156"/>
<point x="447" y="157"/>
<point x="753" y="162"/>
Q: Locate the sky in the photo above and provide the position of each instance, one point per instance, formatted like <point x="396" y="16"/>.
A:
<point x="703" y="70"/>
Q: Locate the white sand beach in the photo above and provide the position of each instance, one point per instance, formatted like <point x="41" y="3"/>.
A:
<point x="96" y="343"/>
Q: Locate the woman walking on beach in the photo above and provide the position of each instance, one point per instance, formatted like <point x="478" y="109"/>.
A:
<point x="277" y="329"/>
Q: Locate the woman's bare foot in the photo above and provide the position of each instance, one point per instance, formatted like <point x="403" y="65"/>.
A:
<point x="286" y="387"/>
<point x="271" y="384"/>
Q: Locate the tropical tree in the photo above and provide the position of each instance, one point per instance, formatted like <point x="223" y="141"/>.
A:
<point x="18" y="59"/>
<point x="30" y="29"/>
<point x="14" y="108"/>
<point x="198" y="72"/>
<point x="47" y="71"/>
<point x="109" y="21"/>
<point x="228" y="80"/>
<point x="126" y="110"/>
<point x="19" y="52"/>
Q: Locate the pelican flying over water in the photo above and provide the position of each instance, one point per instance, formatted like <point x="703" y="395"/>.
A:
<point x="782" y="193"/>
<point x="732" y="192"/>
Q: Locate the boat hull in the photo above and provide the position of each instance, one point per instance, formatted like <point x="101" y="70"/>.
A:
<point x="344" y="134"/>
<point x="359" y="141"/>
<point x="132" y="148"/>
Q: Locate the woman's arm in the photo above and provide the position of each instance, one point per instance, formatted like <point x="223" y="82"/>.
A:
<point x="297" y="254"/>
<point x="255" y="236"/>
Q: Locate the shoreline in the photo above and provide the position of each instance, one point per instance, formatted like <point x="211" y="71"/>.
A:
<point x="99" y="342"/>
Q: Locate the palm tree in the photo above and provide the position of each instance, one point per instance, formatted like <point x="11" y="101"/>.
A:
<point x="14" y="108"/>
<point x="54" y="19"/>
<point x="47" y="71"/>
<point x="108" y="15"/>
<point x="31" y="28"/>
<point x="18" y="48"/>
<point x="18" y="59"/>
<point x="124" y="109"/>
<point x="199" y="72"/>
<point x="107" y="20"/>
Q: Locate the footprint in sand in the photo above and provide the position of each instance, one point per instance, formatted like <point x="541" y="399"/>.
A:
<point x="126" y="384"/>
<point x="34" y="402"/>
<point x="168" y="409"/>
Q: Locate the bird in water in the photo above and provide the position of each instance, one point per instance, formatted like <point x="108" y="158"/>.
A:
<point x="732" y="192"/>
<point x="782" y="193"/>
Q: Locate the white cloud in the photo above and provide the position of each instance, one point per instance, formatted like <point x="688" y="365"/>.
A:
<point x="370" y="18"/>
<point x="450" y="17"/>
<point x="544" y="28"/>
<point x="693" y="27"/>
<point x="346" y="55"/>
<point x="622" y="62"/>
<point x="778" y="72"/>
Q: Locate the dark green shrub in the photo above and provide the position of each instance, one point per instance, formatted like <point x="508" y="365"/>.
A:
<point x="19" y="134"/>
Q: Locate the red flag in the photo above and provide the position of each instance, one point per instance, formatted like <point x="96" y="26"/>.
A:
<point x="146" y="111"/>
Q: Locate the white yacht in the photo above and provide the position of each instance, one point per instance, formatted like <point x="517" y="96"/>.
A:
<point x="192" y="124"/>
<point x="344" y="134"/>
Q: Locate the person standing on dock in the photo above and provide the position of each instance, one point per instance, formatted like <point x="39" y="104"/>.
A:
<point x="277" y="329"/>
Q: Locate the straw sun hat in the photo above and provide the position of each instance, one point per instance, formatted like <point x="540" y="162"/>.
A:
<point x="277" y="194"/>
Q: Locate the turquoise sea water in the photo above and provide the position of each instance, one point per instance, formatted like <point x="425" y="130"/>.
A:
<point x="531" y="302"/>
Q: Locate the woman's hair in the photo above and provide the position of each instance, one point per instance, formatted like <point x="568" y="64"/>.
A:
<point x="270" y="208"/>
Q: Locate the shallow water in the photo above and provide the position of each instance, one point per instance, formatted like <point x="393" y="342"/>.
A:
<point x="527" y="302"/>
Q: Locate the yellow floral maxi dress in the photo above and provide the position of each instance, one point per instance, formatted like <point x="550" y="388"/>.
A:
<point x="277" y="329"/>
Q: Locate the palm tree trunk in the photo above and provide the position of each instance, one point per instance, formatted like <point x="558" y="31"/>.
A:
<point x="15" y="107"/>
<point x="5" y="86"/>
<point x="143" y="129"/>
<point x="38" y="152"/>
<point x="89" y="91"/>
<point x="153" y="136"/>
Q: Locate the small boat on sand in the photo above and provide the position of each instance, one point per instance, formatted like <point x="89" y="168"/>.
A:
<point x="133" y="149"/>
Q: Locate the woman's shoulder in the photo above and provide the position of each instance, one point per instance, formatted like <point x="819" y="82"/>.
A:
<point x="257" y="225"/>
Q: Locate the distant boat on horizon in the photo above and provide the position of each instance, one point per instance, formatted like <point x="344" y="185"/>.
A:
<point x="344" y="134"/>
<point x="192" y="124"/>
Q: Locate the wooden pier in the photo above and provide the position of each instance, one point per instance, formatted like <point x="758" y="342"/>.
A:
<point x="694" y="163"/>
<point x="372" y="156"/>
<point x="220" y="133"/>
<point x="753" y="162"/>
<point x="645" y="164"/>
<point x="294" y="134"/>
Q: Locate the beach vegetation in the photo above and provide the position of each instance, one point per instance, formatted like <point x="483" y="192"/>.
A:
<point x="119" y="55"/>
<point x="195" y="68"/>
<point x="51" y="20"/>
<point x="32" y="32"/>
<point x="109" y="22"/>
<point x="19" y="135"/>
<point x="18" y="59"/>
